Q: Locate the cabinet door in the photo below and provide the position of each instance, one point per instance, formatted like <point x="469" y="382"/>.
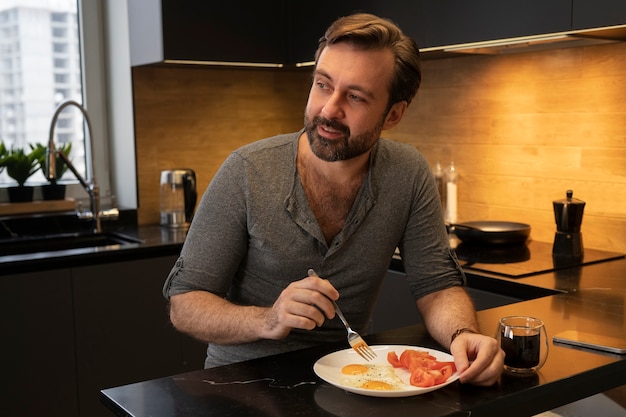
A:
<point x="233" y="31"/>
<point x="230" y="31"/>
<point x="38" y="367"/>
<point x="436" y="23"/>
<point x="123" y="333"/>
<point x="598" y="13"/>
<point x="395" y="306"/>
<point x="307" y="25"/>
<point x="450" y="22"/>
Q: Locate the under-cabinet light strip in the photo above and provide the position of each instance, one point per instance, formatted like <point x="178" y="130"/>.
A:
<point x="223" y="63"/>
<point x="521" y="39"/>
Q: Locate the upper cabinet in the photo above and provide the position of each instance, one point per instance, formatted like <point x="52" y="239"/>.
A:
<point x="229" y="31"/>
<point x="452" y="22"/>
<point x="282" y="32"/>
<point x="307" y="24"/>
<point x="598" y="13"/>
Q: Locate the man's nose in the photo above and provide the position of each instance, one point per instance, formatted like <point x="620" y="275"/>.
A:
<point x="333" y="108"/>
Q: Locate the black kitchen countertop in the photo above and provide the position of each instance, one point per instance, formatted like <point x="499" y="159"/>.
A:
<point x="523" y="260"/>
<point x="154" y="241"/>
<point x="587" y="298"/>
<point x="590" y="298"/>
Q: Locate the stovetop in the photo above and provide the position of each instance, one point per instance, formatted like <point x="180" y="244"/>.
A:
<point x="518" y="261"/>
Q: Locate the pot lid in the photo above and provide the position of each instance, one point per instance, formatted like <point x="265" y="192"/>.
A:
<point x="569" y="199"/>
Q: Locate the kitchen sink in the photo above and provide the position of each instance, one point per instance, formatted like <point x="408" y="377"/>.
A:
<point x="62" y="241"/>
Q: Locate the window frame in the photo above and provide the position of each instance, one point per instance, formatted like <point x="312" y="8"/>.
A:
<point x="107" y="91"/>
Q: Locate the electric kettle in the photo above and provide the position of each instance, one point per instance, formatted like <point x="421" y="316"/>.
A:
<point x="177" y="197"/>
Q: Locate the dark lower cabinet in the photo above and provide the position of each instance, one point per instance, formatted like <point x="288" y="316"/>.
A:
<point x="123" y="334"/>
<point x="68" y="333"/>
<point x="396" y="308"/>
<point x="37" y="360"/>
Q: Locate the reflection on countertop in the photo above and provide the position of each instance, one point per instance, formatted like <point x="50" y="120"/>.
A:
<point x="518" y="261"/>
<point x="149" y="241"/>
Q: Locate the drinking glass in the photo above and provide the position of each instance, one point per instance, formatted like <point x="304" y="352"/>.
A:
<point x="525" y="343"/>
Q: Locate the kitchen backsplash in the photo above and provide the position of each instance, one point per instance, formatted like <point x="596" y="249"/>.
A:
<point x="521" y="130"/>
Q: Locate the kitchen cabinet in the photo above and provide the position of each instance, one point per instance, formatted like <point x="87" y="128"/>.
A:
<point x="432" y="24"/>
<point x="123" y="333"/>
<point x="307" y="25"/>
<point x="396" y="308"/>
<point x="231" y="31"/>
<point x="38" y="367"/>
<point x="598" y="13"/>
<point x="86" y="328"/>
<point x="451" y="22"/>
<point x="282" y="32"/>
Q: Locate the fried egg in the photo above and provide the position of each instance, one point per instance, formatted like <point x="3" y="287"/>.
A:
<point x="374" y="376"/>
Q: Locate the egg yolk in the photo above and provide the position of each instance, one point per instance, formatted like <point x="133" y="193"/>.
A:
<point x="354" y="369"/>
<point x="377" y="385"/>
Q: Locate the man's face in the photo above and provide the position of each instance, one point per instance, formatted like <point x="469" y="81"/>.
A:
<point x="347" y="107"/>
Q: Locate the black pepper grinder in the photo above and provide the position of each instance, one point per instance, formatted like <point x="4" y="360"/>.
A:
<point x="568" y="213"/>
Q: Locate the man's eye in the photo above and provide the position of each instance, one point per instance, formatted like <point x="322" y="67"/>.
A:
<point x="354" y="97"/>
<point x="321" y="85"/>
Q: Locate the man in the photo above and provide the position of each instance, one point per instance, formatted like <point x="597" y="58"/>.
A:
<point x="334" y="197"/>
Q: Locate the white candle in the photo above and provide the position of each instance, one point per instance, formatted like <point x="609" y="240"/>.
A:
<point x="451" y="190"/>
<point x="451" y="203"/>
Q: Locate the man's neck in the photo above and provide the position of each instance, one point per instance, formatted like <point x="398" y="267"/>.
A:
<point x="337" y="172"/>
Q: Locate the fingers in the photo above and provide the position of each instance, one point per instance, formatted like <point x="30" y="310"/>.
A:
<point x="304" y="304"/>
<point x="478" y="358"/>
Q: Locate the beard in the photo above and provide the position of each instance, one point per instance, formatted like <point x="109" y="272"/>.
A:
<point x="344" y="148"/>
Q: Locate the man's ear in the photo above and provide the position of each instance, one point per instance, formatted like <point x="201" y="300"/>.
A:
<point x="395" y="114"/>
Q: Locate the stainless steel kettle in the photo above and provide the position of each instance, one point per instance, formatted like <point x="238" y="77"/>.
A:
<point x="177" y="197"/>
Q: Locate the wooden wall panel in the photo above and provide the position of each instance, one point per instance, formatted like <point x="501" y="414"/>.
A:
<point x="520" y="128"/>
<point x="194" y="117"/>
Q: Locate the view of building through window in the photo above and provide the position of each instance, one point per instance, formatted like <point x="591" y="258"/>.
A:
<point x="40" y="66"/>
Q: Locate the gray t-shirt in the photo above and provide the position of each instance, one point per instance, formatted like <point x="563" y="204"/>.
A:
<point x="254" y="233"/>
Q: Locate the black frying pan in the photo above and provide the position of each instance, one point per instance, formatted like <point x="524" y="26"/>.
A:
<point x="491" y="232"/>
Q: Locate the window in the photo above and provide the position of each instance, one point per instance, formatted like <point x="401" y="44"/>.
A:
<point x="38" y="58"/>
<point x="59" y="17"/>
<point x="99" y="78"/>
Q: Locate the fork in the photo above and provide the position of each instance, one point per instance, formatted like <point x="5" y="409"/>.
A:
<point x="354" y="339"/>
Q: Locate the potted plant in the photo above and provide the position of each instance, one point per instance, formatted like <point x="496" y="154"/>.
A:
<point x="20" y="166"/>
<point x="3" y="155"/>
<point x="53" y="190"/>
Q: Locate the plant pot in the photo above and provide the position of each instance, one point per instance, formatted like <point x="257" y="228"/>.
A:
<point x="20" y="194"/>
<point x="53" y="191"/>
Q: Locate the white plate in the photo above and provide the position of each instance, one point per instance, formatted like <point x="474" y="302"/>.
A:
<point x="329" y="369"/>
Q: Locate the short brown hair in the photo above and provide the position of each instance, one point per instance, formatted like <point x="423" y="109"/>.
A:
<point x="369" y="31"/>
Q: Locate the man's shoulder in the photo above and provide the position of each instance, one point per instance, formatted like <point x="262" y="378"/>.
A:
<point x="396" y="146"/>
<point x="398" y="151"/>
<point x="278" y="142"/>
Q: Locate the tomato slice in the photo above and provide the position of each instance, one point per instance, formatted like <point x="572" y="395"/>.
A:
<point x="392" y="358"/>
<point x="439" y="365"/>
<point x="420" y="362"/>
<point x="447" y="371"/>
<point x="438" y="376"/>
<point x="410" y="355"/>
<point x="425" y="369"/>
<point x="405" y="358"/>
<point x="421" y="378"/>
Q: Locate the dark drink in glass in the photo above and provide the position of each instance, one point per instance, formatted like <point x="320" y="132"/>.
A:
<point x="524" y="342"/>
<point x="521" y="351"/>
